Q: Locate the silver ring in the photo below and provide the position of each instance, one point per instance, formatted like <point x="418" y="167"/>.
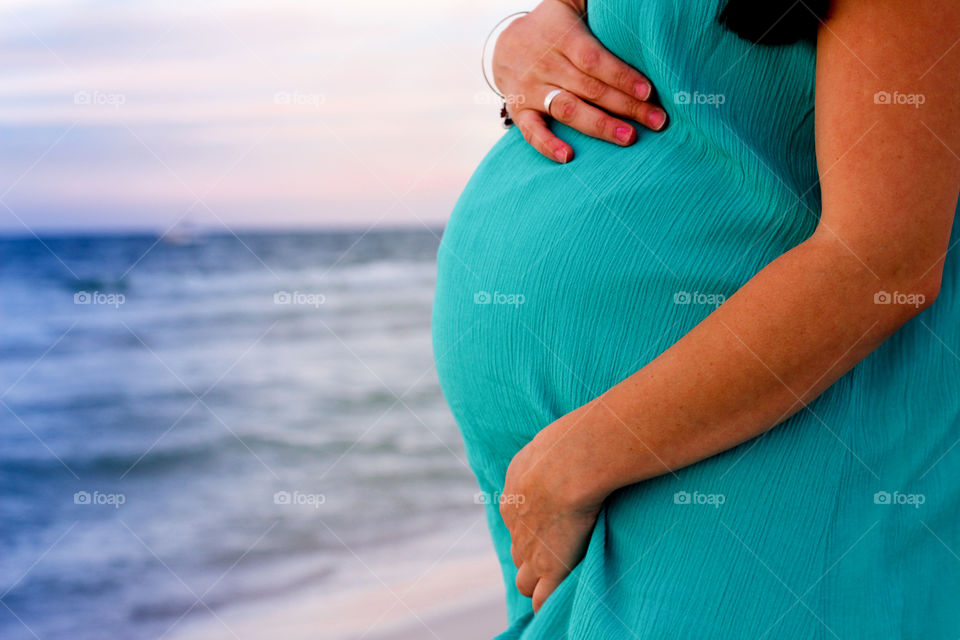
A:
<point x="549" y="99"/>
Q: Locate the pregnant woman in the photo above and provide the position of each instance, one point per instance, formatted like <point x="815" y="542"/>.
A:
<point x="710" y="374"/>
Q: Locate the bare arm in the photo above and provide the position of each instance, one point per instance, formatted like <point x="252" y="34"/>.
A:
<point x="580" y="6"/>
<point x="890" y="184"/>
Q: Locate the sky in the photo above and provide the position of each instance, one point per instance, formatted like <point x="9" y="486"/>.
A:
<point x="140" y="115"/>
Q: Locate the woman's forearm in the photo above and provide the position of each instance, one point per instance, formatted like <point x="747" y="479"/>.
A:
<point x="780" y="341"/>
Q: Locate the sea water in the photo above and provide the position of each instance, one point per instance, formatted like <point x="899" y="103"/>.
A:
<point x="190" y="424"/>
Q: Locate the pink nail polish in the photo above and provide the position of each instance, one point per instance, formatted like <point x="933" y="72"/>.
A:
<point x="560" y="154"/>
<point x="642" y="90"/>
<point x="656" y="119"/>
<point x="623" y="134"/>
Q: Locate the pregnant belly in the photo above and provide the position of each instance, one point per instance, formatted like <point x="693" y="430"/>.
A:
<point x="555" y="282"/>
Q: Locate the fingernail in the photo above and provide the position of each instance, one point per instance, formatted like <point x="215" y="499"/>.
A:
<point x="656" y="119"/>
<point x="623" y="134"/>
<point x="643" y="89"/>
<point x="560" y="154"/>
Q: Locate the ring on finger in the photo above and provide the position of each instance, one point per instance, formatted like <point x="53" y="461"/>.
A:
<point x="549" y="99"/>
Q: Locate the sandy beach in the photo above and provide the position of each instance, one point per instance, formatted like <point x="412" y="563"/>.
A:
<point x="457" y="600"/>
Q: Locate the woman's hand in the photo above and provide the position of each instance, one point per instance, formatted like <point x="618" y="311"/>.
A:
<point x="551" y="48"/>
<point x="550" y="505"/>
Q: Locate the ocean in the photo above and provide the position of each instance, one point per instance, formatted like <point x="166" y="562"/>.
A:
<point x="195" y="425"/>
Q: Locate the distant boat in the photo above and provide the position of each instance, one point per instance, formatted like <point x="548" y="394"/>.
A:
<point x="184" y="233"/>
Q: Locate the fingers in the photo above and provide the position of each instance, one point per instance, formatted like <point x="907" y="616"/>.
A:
<point x="571" y="110"/>
<point x="526" y="579"/>
<point x="536" y="132"/>
<point x="515" y="554"/>
<point x="587" y="54"/>
<point x="615" y="101"/>
<point x="544" y="587"/>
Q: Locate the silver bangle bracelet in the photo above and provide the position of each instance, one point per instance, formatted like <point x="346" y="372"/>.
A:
<point x="497" y="30"/>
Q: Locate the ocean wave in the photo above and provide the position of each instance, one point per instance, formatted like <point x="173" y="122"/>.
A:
<point x="265" y="586"/>
<point x="377" y="273"/>
<point x="311" y="392"/>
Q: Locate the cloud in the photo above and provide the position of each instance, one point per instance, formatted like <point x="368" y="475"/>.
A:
<point x="331" y="110"/>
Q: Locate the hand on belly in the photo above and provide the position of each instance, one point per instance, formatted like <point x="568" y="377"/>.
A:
<point x="548" y="507"/>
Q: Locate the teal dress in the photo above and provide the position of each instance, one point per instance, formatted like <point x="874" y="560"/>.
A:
<point x="555" y="282"/>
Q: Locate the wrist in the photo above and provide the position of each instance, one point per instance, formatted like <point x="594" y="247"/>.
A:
<point x="584" y="462"/>
<point x="580" y="6"/>
<point x="606" y="445"/>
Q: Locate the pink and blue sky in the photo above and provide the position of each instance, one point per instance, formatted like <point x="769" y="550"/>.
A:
<point x="134" y="115"/>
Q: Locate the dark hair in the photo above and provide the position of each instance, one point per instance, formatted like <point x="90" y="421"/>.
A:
<point x="774" y="22"/>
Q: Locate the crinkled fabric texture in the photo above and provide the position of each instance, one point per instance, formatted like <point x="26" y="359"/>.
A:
<point x="556" y="282"/>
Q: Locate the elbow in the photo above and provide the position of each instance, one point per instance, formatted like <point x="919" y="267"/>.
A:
<point x="911" y="296"/>
<point x="929" y="289"/>
<point x="898" y="284"/>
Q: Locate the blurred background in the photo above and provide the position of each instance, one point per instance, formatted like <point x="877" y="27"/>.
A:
<point x="219" y="413"/>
